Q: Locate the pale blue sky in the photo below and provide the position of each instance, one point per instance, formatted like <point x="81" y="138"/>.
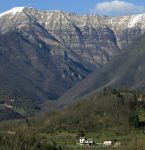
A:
<point x="78" y="6"/>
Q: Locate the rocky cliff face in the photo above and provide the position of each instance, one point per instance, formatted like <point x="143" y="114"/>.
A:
<point x="126" y="70"/>
<point x="60" y="49"/>
<point x="95" y="39"/>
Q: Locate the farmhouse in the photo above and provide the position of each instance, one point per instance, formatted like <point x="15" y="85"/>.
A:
<point x="108" y="143"/>
<point x="114" y="143"/>
<point x="85" y="141"/>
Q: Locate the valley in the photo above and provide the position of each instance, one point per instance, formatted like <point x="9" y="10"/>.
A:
<point x="109" y="115"/>
<point x="45" y="53"/>
<point x="64" y="76"/>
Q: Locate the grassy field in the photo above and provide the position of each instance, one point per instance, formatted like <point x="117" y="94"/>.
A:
<point x="68" y="141"/>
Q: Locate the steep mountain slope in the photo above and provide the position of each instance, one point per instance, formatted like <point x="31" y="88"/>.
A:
<point x="29" y="69"/>
<point x="44" y="53"/>
<point x="28" y="65"/>
<point x="95" y="39"/>
<point x="125" y="70"/>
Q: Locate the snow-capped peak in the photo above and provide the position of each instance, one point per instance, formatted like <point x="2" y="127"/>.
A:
<point x="135" y="19"/>
<point x="13" y="11"/>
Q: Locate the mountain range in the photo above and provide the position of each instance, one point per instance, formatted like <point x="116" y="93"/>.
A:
<point x="126" y="71"/>
<point x="49" y="55"/>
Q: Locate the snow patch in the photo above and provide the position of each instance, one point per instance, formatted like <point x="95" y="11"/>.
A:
<point x="134" y="20"/>
<point x="13" y="11"/>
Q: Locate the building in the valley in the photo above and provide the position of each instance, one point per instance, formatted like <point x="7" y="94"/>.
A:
<point x="85" y="141"/>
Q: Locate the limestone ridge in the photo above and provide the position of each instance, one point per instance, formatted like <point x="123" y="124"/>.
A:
<point x="51" y="51"/>
<point x="94" y="38"/>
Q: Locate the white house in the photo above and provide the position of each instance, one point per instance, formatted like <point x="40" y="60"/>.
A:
<point x="140" y="99"/>
<point x="84" y="141"/>
<point x="107" y="143"/>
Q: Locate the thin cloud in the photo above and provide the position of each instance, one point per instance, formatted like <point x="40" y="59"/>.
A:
<point x="117" y="7"/>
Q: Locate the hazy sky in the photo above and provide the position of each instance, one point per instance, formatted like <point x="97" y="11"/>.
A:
<point x="101" y="7"/>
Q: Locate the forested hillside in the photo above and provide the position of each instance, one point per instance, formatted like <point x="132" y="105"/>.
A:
<point x="110" y="114"/>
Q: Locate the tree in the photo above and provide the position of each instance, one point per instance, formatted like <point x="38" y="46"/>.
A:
<point x="80" y="134"/>
<point x="134" y="120"/>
